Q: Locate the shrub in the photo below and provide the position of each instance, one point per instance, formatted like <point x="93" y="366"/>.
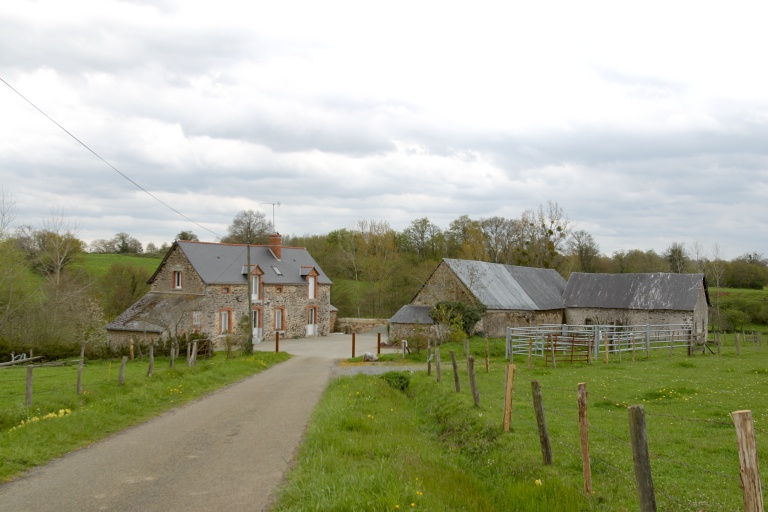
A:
<point x="398" y="380"/>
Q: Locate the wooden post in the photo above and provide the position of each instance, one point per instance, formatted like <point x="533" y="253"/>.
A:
<point x="538" y="406"/>
<point x="473" y="381"/>
<point x="487" y="355"/>
<point x="121" y="378"/>
<point x="277" y="342"/>
<point x="749" y="472"/>
<point x="353" y="345"/>
<point x="29" y="385"/>
<point x="509" y="388"/>
<point x="456" y="382"/>
<point x="130" y="349"/>
<point x="639" y="440"/>
<point x="586" y="464"/>
<point x="438" y="369"/>
<point x="151" y="360"/>
<point x="189" y="361"/>
<point x="633" y="349"/>
<point x="194" y="353"/>
<point x="378" y="343"/>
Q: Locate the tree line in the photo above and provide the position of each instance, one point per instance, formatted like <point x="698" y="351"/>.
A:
<point x="47" y="298"/>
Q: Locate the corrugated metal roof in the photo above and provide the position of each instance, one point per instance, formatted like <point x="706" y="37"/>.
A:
<point x="413" y="315"/>
<point x="224" y="263"/>
<point x="511" y="287"/>
<point x="652" y="291"/>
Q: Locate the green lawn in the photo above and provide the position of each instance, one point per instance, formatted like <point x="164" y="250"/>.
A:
<point x="371" y="447"/>
<point x="59" y="420"/>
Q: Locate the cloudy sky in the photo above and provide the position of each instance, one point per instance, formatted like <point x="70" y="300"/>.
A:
<point x="647" y="122"/>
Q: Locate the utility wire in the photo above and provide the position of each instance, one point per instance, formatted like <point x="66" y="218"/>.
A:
<point x="109" y="164"/>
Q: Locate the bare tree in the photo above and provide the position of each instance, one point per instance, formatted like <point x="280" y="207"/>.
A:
<point x="248" y="227"/>
<point x="677" y="257"/>
<point x="584" y="249"/>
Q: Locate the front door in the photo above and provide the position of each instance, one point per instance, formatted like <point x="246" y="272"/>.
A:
<point x="258" y="332"/>
<point x="311" y="322"/>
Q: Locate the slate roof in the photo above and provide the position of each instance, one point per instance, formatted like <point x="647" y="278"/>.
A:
<point x="226" y="263"/>
<point x="138" y="317"/>
<point x="652" y="291"/>
<point x="509" y="287"/>
<point x="409" y="314"/>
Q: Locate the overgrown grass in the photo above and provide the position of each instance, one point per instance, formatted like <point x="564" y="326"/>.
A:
<point x="371" y="447"/>
<point x="60" y="420"/>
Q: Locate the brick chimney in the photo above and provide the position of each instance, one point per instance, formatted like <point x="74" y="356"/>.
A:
<point x="276" y="244"/>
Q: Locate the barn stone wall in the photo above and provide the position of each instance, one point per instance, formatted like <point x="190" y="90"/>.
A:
<point x="494" y="323"/>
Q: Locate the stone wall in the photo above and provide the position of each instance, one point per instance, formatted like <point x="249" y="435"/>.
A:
<point x="358" y="325"/>
<point x="178" y="262"/>
<point x="494" y="323"/>
<point x="441" y="286"/>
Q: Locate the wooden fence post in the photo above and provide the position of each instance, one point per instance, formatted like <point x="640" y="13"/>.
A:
<point x="438" y="369"/>
<point x="538" y="406"/>
<point x="353" y="345"/>
<point x="151" y="360"/>
<point x="378" y="343"/>
<point x="749" y="472"/>
<point x="509" y="389"/>
<point x="189" y="359"/>
<point x="473" y="380"/>
<point x="639" y="440"/>
<point x="121" y="379"/>
<point x="487" y="355"/>
<point x="194" y="353"/>
<point x="29" y="385"/>
<point x="586" y="464"/>
<point x="456" y="382"/>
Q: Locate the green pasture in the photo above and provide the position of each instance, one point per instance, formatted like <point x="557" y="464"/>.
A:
<point x="59" y="420"/>
<point x="371" y="446"/>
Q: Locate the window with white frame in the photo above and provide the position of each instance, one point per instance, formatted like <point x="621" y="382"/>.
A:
<point x="312" y="286"/>
<point x="197" y="319"/>
<point x="224" y="321"/>
<point x="279" y="319"/>
<point x="177" y="281"/>
<point x="255" y="287"/>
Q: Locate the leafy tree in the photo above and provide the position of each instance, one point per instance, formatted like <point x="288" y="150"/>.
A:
<point x="248" y="227"/>
<point x="423" y="238"/>
<point x="637" y="261"/>
<point x="126" y="244"/>
<point x="121" y="286"/>
<point x="187" y="235"/>
<point x="453" y="312"/>
<point x="741" y="273"/>
<point x="677" y="257"/>
<point x="500" y="236"/>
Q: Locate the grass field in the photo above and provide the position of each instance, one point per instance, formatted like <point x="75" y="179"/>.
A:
<point x="372" y="447"/>
<point x="60" y="420"/>
<point x="97" y="264"/>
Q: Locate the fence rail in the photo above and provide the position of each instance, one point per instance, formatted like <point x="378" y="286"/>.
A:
<point x="566" y="340"/>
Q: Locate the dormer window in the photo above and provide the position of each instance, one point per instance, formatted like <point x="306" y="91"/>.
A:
<point x="177" y="280"/>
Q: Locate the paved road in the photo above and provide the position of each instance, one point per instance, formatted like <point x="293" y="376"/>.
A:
<point x="227" y="451"/>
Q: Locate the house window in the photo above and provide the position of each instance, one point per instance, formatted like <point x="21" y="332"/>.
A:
<point x="177" y="281"/>
<point x="255" y="288"/>
<point x="256" y="318"/>
<point x="225" y="321"/>
<point x="280" y="319"/>
<point x="311" y="316"/>
<point x="196" y="319"/>
<point x="312" y="286"/>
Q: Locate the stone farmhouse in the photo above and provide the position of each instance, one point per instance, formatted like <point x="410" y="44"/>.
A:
<point x="203" y="288"/>
<point x="512" y="295"/>
<point x="523" y="296"/>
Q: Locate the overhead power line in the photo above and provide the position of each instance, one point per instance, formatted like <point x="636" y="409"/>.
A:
<point x="109" y="164"/>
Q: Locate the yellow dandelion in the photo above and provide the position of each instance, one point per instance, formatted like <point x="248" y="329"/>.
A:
<point x="538" y="482"/>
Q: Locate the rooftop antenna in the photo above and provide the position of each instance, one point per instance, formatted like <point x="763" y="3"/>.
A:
<point x="273" y="214"/>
